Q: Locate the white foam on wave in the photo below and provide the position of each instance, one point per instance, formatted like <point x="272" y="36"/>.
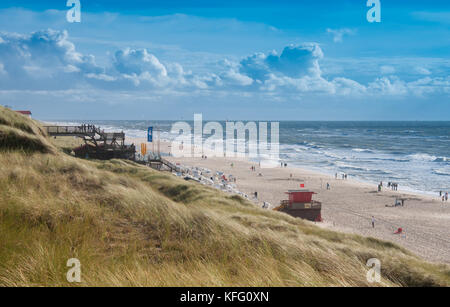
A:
<point x="442" y="171"/>
<point x="362" y="150"/>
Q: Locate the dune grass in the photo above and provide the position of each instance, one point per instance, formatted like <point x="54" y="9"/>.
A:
<point x="133" y="226"/>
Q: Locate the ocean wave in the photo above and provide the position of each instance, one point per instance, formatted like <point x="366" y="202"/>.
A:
<point x="441" y="172"/>
<point x="428" y="158"/>
<point x="391" y="159"/>
<point x="332" y="155"/>
<point x="362" y="150"/>
<point x="361" y="168"/>
<point x="370" y="154"/>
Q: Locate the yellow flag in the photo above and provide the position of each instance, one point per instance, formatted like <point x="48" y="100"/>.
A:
<point x="143" y="149"/>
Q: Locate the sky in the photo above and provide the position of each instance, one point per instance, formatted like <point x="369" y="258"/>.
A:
<point x="247" y="60"/>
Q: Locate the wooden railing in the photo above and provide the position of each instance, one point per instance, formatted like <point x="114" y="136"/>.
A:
<point x="70" y="130"/>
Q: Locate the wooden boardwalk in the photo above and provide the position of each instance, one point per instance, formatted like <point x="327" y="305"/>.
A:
<point x="167" y="163"/>
<point x="106" y="141"/>
<point x="88" y="132"/>
<point x="98" y="143"/>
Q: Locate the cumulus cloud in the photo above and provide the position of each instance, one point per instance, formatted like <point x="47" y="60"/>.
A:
<point x="48" y="60"/>
<point x="137" y="62"/>
<point x="393" y="86"/>
<point x="294" y="61"/>
<point x="42" y="57"/>
<point x="296" y="69"/>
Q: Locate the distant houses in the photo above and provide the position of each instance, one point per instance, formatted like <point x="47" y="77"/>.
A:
<point x="26" y="113"/>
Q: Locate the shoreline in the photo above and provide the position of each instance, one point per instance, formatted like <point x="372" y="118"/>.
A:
<point x="408" y="190"/>
<point x="348" y="206"/>
<point x="403" y="188"/>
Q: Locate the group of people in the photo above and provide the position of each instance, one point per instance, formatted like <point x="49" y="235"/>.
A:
<point x="343" y="176"/>
<point x="85" y="127"/>
<point x="393" y="186"/>
<point x="443" y="196"/>
<point x="283" y="164"/>
<point x="204" y="157"/>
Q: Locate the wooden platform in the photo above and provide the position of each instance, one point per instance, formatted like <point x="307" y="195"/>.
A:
<point x="98" y="143"/>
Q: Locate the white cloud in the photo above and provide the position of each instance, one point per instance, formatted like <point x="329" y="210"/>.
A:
<point x="2" y="69"/>
<point x="391" y="86"/>
<point x="422" y="71"/>
<point x="236" y="78"/>
<point x="102" y="77"/>
<point x="130" y="61"/>
<point x="347" y="87"/>
<point x="338" y="34"/>
<point x="48" y="60"/>
<point x="42" y="59"/>
<point x="387" y="70"/>
<point x="294" y="61"/>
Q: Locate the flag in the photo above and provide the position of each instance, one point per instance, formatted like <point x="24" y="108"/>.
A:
<point x="150" y="135"/>
<point x="143" y="149"/>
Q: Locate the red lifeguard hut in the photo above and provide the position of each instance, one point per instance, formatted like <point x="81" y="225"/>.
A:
<point x="301" y="204"/>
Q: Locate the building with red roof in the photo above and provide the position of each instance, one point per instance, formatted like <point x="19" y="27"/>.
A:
<point x="27" y="113"/>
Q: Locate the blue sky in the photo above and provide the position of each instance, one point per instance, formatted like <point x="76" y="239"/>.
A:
<point x="308" y="60"/>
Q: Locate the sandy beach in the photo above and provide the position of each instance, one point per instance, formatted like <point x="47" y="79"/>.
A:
<point x="348" y="205"/>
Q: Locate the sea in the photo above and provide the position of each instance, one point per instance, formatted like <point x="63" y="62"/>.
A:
<point x="416" y="155"/>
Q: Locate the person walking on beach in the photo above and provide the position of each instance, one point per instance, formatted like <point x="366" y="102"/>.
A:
<point x="373" y="221"/>
<point x="446" y="196"/>
<point x="328" y="185"/>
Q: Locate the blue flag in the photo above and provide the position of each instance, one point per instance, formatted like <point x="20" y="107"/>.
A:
<point x="150" y="134"/>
